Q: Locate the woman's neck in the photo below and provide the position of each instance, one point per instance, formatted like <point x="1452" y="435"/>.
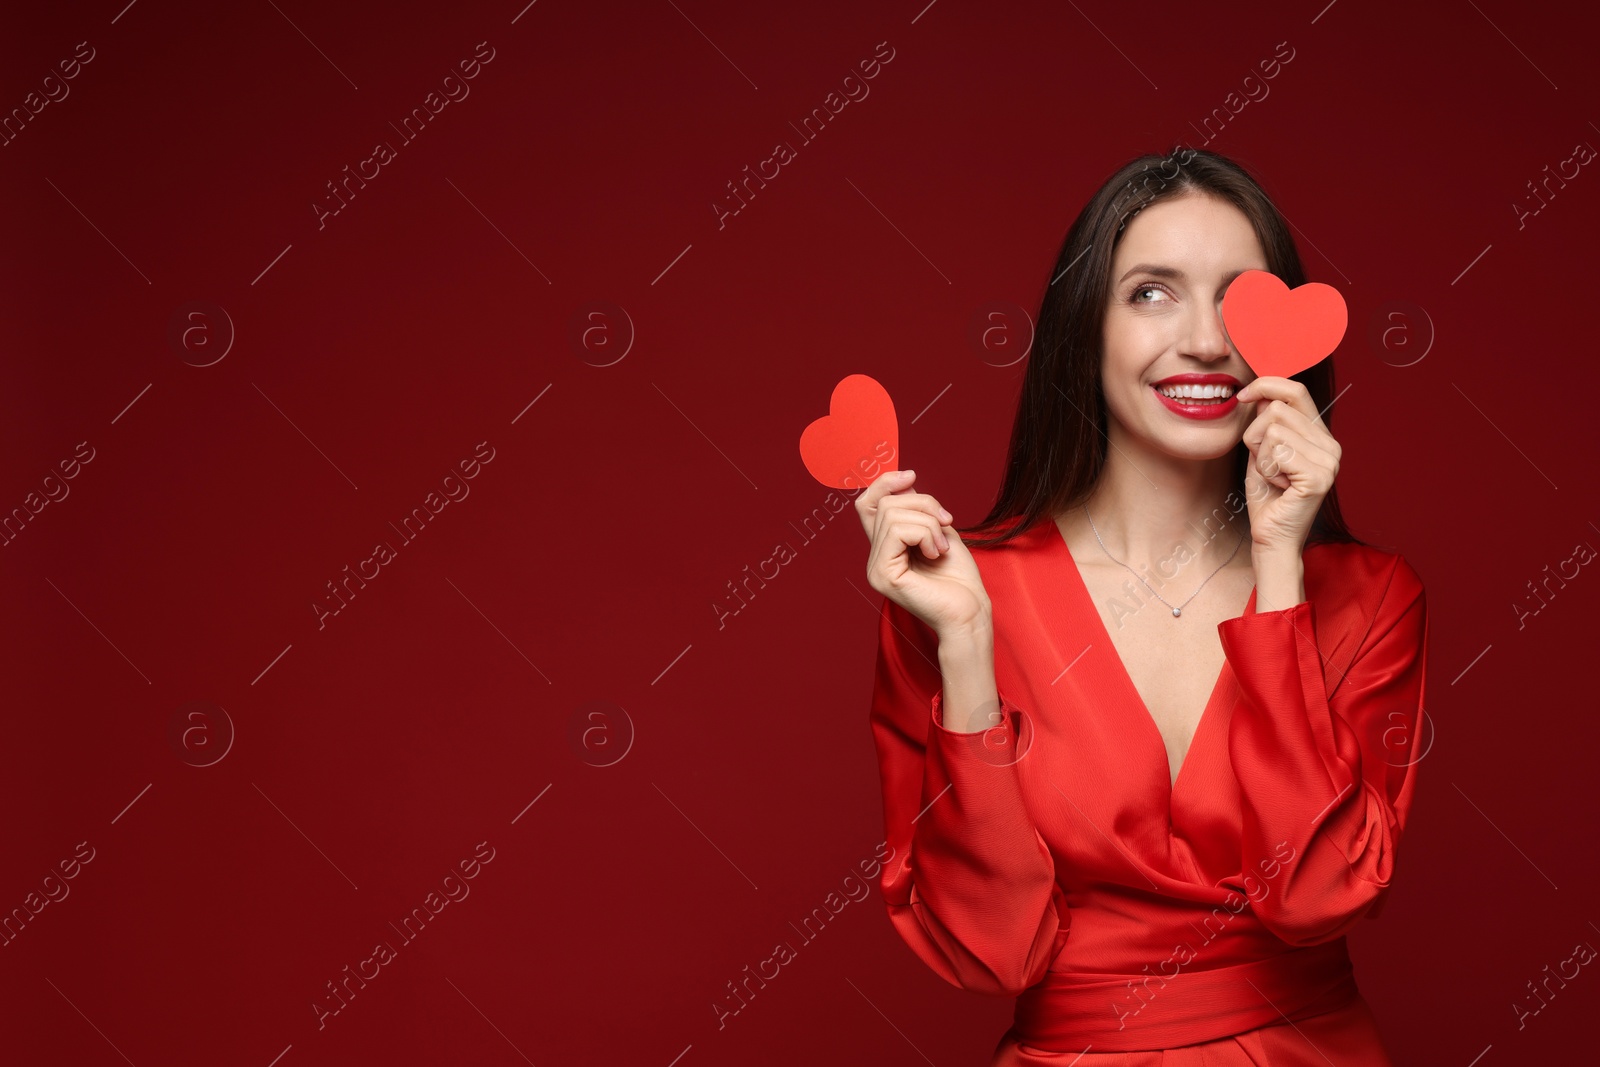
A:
<point x="1144" y="512"/>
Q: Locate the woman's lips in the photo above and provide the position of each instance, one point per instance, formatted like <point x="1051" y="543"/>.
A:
<point x="1197" y="409"/>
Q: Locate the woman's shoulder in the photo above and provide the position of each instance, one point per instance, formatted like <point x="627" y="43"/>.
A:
<point x="1010" y="547"/>
<point x="1355" y="567"/>
<point x="1015" y="533"/>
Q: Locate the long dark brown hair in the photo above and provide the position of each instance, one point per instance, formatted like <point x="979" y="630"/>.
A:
<point x="1058" y="440"/>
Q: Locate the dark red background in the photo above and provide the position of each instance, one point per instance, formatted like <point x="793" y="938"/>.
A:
<point x="378" y="351"/>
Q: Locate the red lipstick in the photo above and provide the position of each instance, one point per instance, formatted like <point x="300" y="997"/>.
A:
<point x="1198" y="408"/>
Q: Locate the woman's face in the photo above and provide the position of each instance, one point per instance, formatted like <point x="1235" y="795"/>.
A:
<point x="1164" y="332"/>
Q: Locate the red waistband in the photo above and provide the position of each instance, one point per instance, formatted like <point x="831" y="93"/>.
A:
<point x="1065" y="1012"/>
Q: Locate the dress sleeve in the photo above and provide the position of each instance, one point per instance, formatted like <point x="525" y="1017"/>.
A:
<point x="1326" y="786"/>
<point x="969" y="883"/>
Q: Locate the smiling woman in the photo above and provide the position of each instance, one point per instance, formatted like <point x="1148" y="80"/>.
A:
<point x="1075" y="789"/>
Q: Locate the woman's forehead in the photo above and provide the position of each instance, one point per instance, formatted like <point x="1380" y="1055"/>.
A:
<point x="1195" y="235"/>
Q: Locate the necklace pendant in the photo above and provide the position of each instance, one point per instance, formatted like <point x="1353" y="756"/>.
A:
<point x="1176" y="612"/>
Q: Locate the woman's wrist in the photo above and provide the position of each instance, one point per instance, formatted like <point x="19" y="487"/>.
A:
<point x="966" y="665"/>
<point x="1280" y="579"/>
<point x="968" y="635"/>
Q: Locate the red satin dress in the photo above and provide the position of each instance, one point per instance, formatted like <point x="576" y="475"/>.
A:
<point x="1141" y="921"/>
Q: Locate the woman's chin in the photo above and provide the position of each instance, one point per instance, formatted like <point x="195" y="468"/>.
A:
<point x="1198" y="445"/>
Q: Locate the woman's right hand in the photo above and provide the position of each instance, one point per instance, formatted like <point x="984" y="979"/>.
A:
<point x="939" y="583"/>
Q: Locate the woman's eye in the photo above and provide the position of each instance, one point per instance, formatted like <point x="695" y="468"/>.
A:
<point x="1141" y="290"/>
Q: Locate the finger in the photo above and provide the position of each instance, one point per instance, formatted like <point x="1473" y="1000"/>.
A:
<point x="903" y="497"/>
<point x="1312" y="440"/>
<point x="1272" y="387"/>
<point x="1299" y="459"/>
<point x="1269" y="447"/>
<point x="1288" y="416"/>
<point x="1267" y="468"/>
<point x="884" y="484"/>
<point x="1301" y="420"/>
<point x="897" y="484"/>
<point x="1310" y="465"/>
<point x="1257" y="429"/>
<point x="912" y="532"/>
<point x="919" y="501"/>
<point x="893" y="511"/>
<point x="1257" y="486"/>
<point x="1265" y="416"/>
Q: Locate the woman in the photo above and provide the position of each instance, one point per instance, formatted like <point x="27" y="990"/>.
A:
<point x="1148" y="747"/>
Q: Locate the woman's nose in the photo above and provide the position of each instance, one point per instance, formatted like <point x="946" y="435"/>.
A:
<point x="1208" y="336"/>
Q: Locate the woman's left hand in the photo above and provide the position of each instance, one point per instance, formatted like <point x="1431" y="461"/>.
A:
<point x="1293" y="461"/>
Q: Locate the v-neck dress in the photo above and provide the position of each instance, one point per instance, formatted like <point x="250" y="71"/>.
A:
<point x="1137" y="919"/>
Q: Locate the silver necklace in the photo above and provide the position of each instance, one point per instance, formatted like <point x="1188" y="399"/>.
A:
<point x="1178" y="610"/>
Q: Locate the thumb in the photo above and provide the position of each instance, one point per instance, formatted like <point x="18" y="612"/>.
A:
<point x="870" y="498"/>
<point x="899" y="481"/>
<point x="1254" y="483"/>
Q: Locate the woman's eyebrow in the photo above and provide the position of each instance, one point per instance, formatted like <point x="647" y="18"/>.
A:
<point x="1153" y="268"/>
<point x="1162" y="271"/>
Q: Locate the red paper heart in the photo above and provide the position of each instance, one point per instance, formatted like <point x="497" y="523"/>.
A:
<point x="1281" y="331"/>
<point x="857" y="441"/>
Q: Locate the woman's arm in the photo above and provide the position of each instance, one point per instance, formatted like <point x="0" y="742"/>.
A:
<point x="1326" y="787"/>
<point x="969" y="883"/>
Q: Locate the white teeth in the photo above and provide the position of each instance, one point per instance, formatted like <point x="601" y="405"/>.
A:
<point x="1196" y="392"/>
